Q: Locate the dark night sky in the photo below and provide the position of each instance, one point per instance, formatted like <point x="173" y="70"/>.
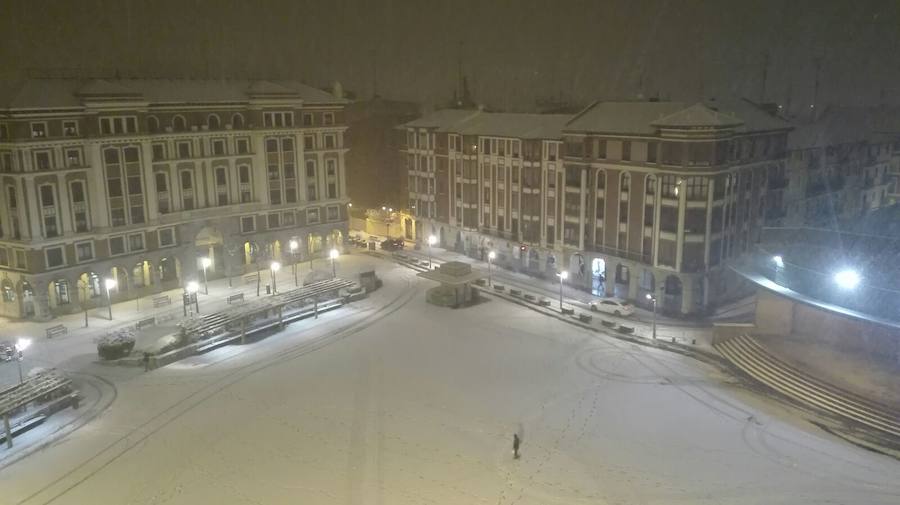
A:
<point x="512" y="51"/>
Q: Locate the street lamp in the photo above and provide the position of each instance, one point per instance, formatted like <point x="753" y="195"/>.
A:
<point x="562" y="276"/>
<point x="491" y="256"/>
<point x="431" y="241"/>
<point x="192" y="289"/>
<point x="847" y="279"/>
<point x="274" y="267"/>
<point x="653" y="301"/>
<point x="333" y="254"/>
<point x="293" y="246"/>
<point x="109" y="284"/>
<point x="21" y="345"/>
<point x="205" y="262"/>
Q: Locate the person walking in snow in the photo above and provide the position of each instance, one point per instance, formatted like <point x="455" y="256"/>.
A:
<point x="516" y="442"/>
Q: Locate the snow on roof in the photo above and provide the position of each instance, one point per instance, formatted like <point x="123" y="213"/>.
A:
<point x="643" y="118"/>
<point x="698" y="115"/>
<point x="68" y="93"/>
<point x="499" y="124"/>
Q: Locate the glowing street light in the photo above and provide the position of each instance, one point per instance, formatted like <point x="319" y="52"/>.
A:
<point x="274" y="267"/>
<point x="431" y="241"/>
<point x="21" y="345"/>
<point x="109" y="284"/>
<point x="293" y="245"/>
<point x="333" y="254"/>
<point x="653" y="300"/>
<point x="847" y="279"/>
<point x="205" y="262"/>
<point x="562" y="276"/>
<point x="779" y="261"/>
<point x="491" y="256"/>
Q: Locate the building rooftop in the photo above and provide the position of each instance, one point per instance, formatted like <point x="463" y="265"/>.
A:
<point x="71" y="93"/>
<point x="499" y="124"/>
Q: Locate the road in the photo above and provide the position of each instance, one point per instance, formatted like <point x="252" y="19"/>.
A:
<point x="394" y="401"/>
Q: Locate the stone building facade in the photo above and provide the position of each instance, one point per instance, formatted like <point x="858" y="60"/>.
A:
<point x="631" y="198"/>
<point x="137" y="180"/>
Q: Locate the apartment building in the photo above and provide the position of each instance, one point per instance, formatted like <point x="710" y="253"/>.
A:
<point x="840" y="166"/>
<point x="630" y="198"/>
<point x="137" y="180"/>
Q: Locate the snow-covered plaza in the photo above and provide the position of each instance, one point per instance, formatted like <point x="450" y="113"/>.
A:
<point x="393" y="401"/>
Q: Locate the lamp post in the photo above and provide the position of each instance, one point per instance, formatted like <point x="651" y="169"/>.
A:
<point x="109" y="284"/>
<point x="653" y="301"/>
<point x="274" y="267"/>
<point x="491" y="256"/>
<point x="21" y="345"/>
<point x="293" y="246"/>
<point x="333" y="254"/>
<point x="192" y="289"/>
<point x="205" y="262"/>
<point x="562" y="276"/>
<point x="431" y="241"/>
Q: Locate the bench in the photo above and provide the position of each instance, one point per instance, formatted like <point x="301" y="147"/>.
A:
<point x="544" y="302"/>
<point x="54" y="331"/>
<point x="150" y="321"/>
<point x="159" y="301"/>
<point x="529" y="297"/>
<point x="608" y="324"/>
<point x="481" y="282"/>
<point x="625" y="329"/>
<point x="237" y="297"/>
<point x="515" y="292"/>
<point x="568" y="311"/>
<point x="499" y="287"/>
<point x="585" y="318"/>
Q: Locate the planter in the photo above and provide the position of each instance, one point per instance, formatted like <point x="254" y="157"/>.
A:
<point x="515" y="292"/>
<point x="585" y="318"/>
<point x="544" y="302"/>
<point x="499" y="287"/>
<point x="568" y="311"/>
<point x="608" y="324"/>
<point x="481" y="282"/>
<point x="530" y="298"/>
<point x="626" y="329"/>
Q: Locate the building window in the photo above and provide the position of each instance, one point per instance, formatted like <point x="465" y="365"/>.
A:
<point x="6" y="162"/>
<point x="70" y="128"/>
<point x="38" y="130"/>
<point x="55" y="257"/>
<point x="152" y="124"/>
<point x="287" y="219"/>
<point x="4" y="257"/>
<point x="278" y="119"/>
<point x="273" y="221"/>
<point x="245" y="186"/>
<point x="187" y="190"/>
<point x="333" y="213"/>
<point x="79" y="206"/>
<point x="312" y="216"/>
<point x="626" y="150"/>
<point x="328" y="118"/>
<point x="179" y="124"/>
<point x="651" y="152"/>
<point x="61" y="288"/>
<point x="307" y="119"/>
<point x="48" y="210"/>
<point x="237" y="121"/>
<point x="4" y="131"/>
<point x="136" y="242"/>
<point x="166" y="237"/>
<point x="159" y="152"/>
<point x="184" y="150"/>
<point x="243" y="146"/>
<point x="218" y="147"/>
<point x="213" y="122"/>
<point x="73" y="157"/>
<point x="84" y="251"/>
<point x="309" y="142"/>
<point x="329" y="142"/>
<point x="116" y="245"/>
<point x="162" y="192"/>
<point x="42" y="160"/>
<point x="116" y="125"/>
<point x="248" y="224"/>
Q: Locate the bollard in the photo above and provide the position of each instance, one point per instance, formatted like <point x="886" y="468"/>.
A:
<point x="693" y="341"/>
<point x="673" y="340"/>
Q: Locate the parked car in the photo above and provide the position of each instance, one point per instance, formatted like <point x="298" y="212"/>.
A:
<point x="393" y="244"/>
<point x="612" y="306"/>
<point x="7" y="351"/>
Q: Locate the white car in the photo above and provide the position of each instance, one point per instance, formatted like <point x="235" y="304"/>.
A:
<point x="612" y="306"/>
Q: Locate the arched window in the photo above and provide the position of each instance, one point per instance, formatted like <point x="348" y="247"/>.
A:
<point x="212" y="121"/>
<point x="152" y="124"/>
<point x="179" y="124"/>
<point x="650" y="185"/>
<point x="237" y="122"/>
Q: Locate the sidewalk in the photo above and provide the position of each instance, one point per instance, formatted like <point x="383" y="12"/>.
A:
<point x="79" y="344"/>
